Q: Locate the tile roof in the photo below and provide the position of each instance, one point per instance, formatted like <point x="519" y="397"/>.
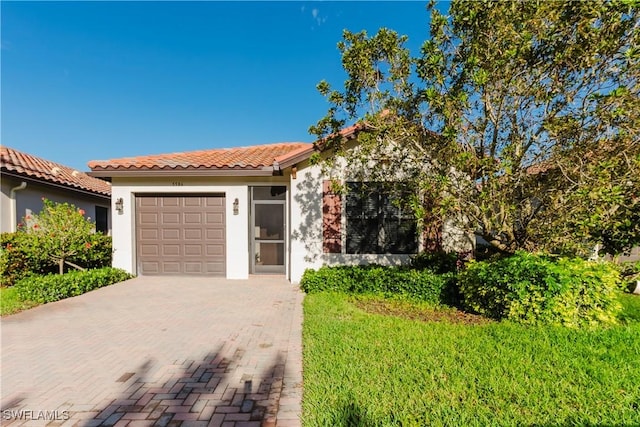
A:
<point x="27" y="165"/>
<point x="241" y="158"/>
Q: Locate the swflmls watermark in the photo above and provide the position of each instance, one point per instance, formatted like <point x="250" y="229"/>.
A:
<point x="29" y="414"/>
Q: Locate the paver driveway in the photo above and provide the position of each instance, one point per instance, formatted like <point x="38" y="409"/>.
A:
<point x="158" y="351"/>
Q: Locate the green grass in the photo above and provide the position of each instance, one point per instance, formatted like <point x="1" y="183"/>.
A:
<point x="10" y="303"/>
<point x="366" y="364"/>
<point x="631" y="307"/>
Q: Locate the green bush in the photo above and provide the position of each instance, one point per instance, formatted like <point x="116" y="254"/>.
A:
<point x="98" y="252"/>
<point x="530" y="288"/>
<point x="630" y="272"/>
<point x="54" y="287"/>
<point x="401" y="282"/>
<point x="438" y="262"/>
<point x="20" y="257"/>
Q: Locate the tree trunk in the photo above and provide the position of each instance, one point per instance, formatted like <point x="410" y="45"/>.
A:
<point x="61" y="265"/>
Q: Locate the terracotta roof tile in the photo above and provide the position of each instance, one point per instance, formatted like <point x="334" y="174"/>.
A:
<point x="27" y="165"/>
<point x="255" y="157"/>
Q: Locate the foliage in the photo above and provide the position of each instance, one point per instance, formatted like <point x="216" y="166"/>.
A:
<point x="20" y="256"/>
<point x="11" y="303"/>
<point x="54" y="287"/>
<point x="64" y="234"/>
<point x="518" y="121"/>
<point x="630" y="272"/>
<point x="630" y="308"/>
<point x="395" y="282"/>
<point x="98" y="252"/>
<point x="531" y="289"/>
<point x="373" y="370"/>
<point x="438" y="262"/>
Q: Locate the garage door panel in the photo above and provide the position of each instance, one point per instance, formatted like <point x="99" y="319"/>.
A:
<point x="151" y="267"/>
<point x="193" y="218"/>
<point x="193" y="250"/>
<point x="152" y="250"/>
<point x="193" y="234"/>
<point x="171" y="250"/>
<point x="171" y="267"/>
<point x="148" y="201"/>
<point x="193" y="201"/>
<point x="170" y="218"/>
<point x="168" y="201"/>
<point x="193" y="268"/>
<point x="149" y="219"/>
<point x="149" y="233"/>
<point x="215" y="234"/>
<point x="215" y="218"/>
<point x="215" y="250"/>
<point x="215" y="201"/>
<point x="171" y="233"/>
<point x="182" y="234"/>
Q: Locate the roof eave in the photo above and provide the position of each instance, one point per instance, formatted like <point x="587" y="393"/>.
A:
<point x="41" y="181"/>
<point x="154" y="173"/>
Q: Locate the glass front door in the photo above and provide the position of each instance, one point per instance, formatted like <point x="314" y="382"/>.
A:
<point x="268" y="229"/>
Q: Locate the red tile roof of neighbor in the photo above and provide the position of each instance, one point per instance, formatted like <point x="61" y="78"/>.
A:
<point x="242" y="158"/>
<point x="29" y="166"/>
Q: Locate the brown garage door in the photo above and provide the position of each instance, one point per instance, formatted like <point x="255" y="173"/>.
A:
<point x="181" y="235"/>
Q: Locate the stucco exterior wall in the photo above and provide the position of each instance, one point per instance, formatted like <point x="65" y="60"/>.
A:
<point x="306" y="229"/>
<point x="237" y="226"/>
<point x="29" y="200"/>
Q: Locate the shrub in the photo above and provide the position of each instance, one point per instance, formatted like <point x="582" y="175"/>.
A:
<point x="62" y="231"/>
<point x="530" y="288"/>
<point x="54" y="287"/>
<point x="20" y="257"/>
<point x="98" y="252"/>
<point x="401" y="282"/>
<point x="438" y="262"/>
<point x="630" y="273"/>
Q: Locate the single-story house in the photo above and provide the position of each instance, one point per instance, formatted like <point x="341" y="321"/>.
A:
<point x="27" y="179"/>
<point x="243" y="211"/>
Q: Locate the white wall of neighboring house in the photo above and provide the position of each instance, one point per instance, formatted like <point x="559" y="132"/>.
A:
<point x="29" y="200"/>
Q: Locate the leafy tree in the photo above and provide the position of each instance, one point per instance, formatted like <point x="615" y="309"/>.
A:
<point x="62" y="232"/>
<point x="518" y="120"/>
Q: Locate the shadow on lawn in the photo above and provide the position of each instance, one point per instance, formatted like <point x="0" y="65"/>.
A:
<point x="196" y="393"/>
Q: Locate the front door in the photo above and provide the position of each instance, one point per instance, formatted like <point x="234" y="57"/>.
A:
<point x="268" y="229"/>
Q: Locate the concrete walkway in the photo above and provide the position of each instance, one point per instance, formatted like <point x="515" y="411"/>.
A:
<point x="158" y="351"/>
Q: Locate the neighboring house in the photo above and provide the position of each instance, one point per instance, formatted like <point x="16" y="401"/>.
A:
<point x="26" y="179"/>
<point x="241" y="211"/>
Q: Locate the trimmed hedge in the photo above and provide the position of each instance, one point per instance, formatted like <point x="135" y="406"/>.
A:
<point x="401" y="282"/>
<point x="54" y="287"/>
<point x="529" y="288"/>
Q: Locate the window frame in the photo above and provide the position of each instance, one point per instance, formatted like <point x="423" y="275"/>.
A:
<point x="375" y="221"/>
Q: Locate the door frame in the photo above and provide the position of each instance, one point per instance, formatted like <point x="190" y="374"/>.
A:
<point x="267" y="269"/>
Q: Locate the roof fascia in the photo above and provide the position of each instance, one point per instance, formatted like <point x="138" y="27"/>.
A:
<point x="157" y="173"/>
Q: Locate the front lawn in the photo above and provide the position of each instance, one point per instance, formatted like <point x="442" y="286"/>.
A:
<point x="10" y="302"/>
<point x="372" y="362"/>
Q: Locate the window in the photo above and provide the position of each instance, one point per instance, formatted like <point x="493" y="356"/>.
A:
<point x="102" y="219"/>
<point x="376" y="222"/>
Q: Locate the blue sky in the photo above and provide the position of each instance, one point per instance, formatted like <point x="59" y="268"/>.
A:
<point x="85" y="81"/>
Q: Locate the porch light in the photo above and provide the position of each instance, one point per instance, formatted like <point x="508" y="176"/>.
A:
<point x="236" y="208"/>
<point x="120" y="205"/>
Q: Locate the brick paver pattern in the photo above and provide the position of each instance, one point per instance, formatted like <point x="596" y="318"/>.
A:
<point x="158" y="351"/>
